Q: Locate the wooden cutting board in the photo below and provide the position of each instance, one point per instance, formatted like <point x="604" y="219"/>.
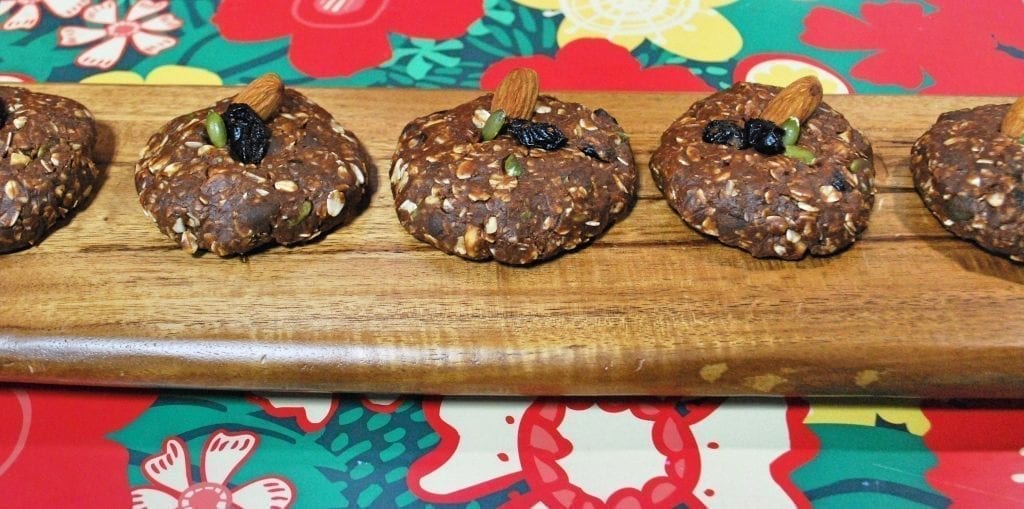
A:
<point x="649" y="308"/>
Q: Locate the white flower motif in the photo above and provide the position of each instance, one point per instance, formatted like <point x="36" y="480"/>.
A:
<point x="27" y="16"/>
<point x="224" y="453"/>
<point x="115" y="36"/>
<point x="310" y="411"/>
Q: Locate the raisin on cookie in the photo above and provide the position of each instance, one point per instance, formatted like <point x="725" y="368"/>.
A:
<point x="751" y="184"/>
<point x="303" y="176"/>
<point x="527" y="191"/>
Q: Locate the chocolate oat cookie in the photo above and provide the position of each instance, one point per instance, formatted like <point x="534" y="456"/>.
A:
<point x="776" y="173"/>
<point x="303" y="174"/>
<point x="46" y="168"/>
<point x="544" y="178"/>
<point x="969" y="172"/>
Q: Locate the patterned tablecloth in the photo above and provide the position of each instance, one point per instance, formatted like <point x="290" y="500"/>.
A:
<point x="92" y="448"/>
<point x="86" y="448"/>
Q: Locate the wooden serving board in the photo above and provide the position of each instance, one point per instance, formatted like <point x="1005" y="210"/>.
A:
<point x="649" y="308"/>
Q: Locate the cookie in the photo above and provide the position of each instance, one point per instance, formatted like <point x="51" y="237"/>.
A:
<point x="312" y="178"/>
<point x="969" y="175"/>
<point x="813" y="199"/>
<point x="501" y="200"/>
<point x="46" y="168"/>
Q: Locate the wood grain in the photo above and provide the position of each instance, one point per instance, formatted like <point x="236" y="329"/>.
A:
<point x="650" y="308"/>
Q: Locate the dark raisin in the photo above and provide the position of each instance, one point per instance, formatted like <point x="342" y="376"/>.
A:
<point x="248" y="136"/>
<point x="756" y="128"/>
<point x="600" y="112"/>
<point x="770" y="144"/>
<point x="765" y="136"/>
<point x="839" y="181"/>
<point x="435" y="226"/>
<point x="605" y="156"/>
<point x="724" y="132"/>
<point x="535" y="134"/>
<point x="730" y="222"/>
<point x="960" y="208"/>
<point x="3" y="112"/>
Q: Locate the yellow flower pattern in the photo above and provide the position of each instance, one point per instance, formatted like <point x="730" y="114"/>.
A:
<point x="689" y="28"/>
<point x="783" y="71"/>
<point x="906" y="412"/>
<point x="163" y="75"/>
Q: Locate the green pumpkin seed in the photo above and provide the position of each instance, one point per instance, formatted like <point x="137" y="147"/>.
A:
<point x="44" y="150"/>
<point x="800" y="154"/>
<point x="860" y="164"/>
<point x="792" y="128"/>
<point x="216" y="130"/>
<point x="1021" y="139"/>
<point x="513" y="168"/>
<point x="493" y="125"/>
<point x="304" y="210"/>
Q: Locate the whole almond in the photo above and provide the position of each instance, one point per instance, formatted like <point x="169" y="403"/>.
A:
<point x="263" y="95"/>
<point x="799" y="100"/>
<point x="1013" y="122"/>
<point x="517" y="93"/>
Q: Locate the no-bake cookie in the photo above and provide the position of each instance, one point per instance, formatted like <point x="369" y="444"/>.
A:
<point x="286" y="178"/>
<point x="46" y="166"/>
<point x="968" y="169"/>
<point x="777" y="173"/>
<point x="513" y="176"/>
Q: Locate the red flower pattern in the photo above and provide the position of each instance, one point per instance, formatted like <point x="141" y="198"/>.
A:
<point x="543" y="447"/>
<point x="980" y="452"/>
<point x="36" y="467"/>
<point x="596" y="64"/>
<point x="587" y="454"/>
<point x="342" y="37"/>
<point x="962" y="47"/>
